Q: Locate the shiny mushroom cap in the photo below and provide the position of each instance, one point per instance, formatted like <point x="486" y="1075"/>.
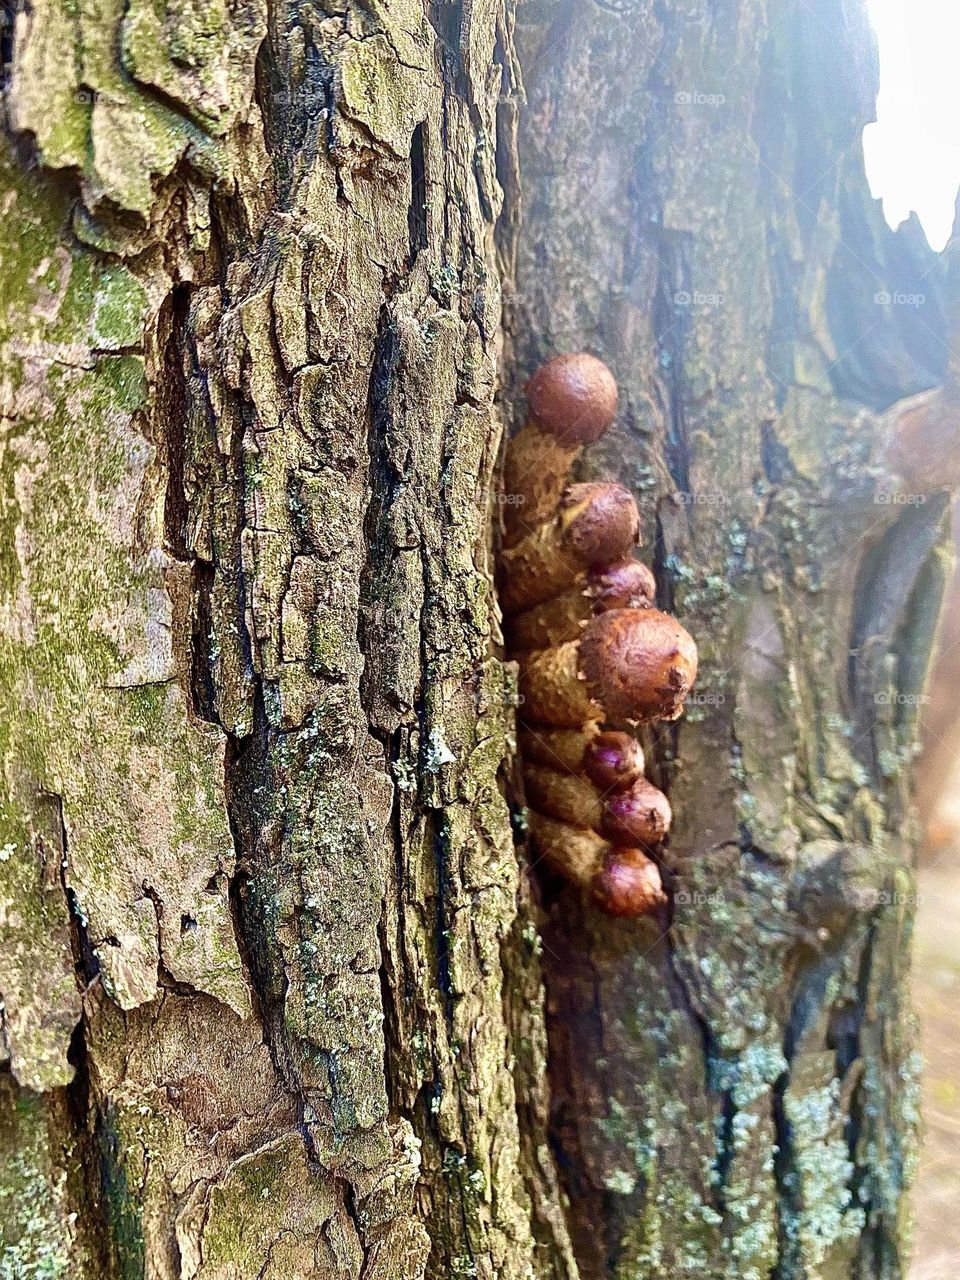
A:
<point x="638" y="814"/>
<point x="613" y="759"/>
<point x="639" y="664"/>
<point x="601" y="522"/>
<point x="628" y="884"/>
<point x="573" y="397"/>
<point x="628" y="584"/>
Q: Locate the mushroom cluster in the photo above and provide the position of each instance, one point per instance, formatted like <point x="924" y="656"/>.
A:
<point x="596" y="657"/>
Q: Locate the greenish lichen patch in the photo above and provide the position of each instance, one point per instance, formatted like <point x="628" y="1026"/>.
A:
<point x="90" y="707"/>
<point x="38" y="1222"/>
<point x="87" y="85"/>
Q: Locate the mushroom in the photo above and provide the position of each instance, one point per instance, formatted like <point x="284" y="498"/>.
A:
<point x="628" y="884"/>
<point x="628" y="584"/>
<point x="637" y="813"/>
<point x="629" y="665"/>
<point x="572" y="401"/>
<point x="595" y="524"/>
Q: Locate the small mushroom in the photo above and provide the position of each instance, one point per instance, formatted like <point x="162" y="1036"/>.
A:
<point x="628" y="884"/>
<point x="596" y="524"/>
<point x="572" y="401"/>
<point x="641" y="662"/>
<point x="613" y="759"/>
<point x="638" y="814"/>
<point x="628" y="584"/>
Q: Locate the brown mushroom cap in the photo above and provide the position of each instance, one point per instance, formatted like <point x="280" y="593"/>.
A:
<point x="613" y="759"/>
<point x="628" y="884"/>
<point x="639" y="664"/>
<point x="628" y="584"/>
<point x="573" y="397"/>
<point x="605" y="525"/>
<point x="639" y="814"/>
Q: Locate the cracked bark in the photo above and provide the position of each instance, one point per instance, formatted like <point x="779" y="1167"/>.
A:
<point x="258" y="273"/>
<point x="737" y="1097"/>
<point x="271" y="973"/>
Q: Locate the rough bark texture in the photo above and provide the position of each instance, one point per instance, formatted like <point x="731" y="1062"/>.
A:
<point x="272" y="1002"/>
<point x="735" y="1091"/>
<point x="252" y="718"/>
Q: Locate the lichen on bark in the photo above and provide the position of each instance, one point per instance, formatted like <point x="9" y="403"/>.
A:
<point x="254" y="799"/>
<point x="745" y="1105"/>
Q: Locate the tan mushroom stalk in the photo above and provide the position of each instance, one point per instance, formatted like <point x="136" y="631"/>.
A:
<point x="628" y="584"/>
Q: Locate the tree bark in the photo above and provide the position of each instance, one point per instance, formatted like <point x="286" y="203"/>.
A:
<point x="735" y="1090"/>
<point x="253" y="721"/>
<point x="271" y="968"/>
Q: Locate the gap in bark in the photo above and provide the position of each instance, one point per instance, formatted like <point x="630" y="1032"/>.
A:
<point x="171" y="419"/>
<point x="172" y="414"/>
<point x="417" y="210"/>
<point x="671" y="324"/>
<point x="79" y="1106"/>
<point x="775" y="457"/>
<point x="244" y="769"/>
<point x="7" y="19"/>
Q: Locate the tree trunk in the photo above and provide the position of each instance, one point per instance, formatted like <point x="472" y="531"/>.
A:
<point x="737" y="1096"/>
<point x="253" y="722"/>
<point x="271" y="972"/>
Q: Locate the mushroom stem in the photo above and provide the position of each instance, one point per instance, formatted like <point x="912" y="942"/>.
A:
<point x="572" y="852"/>
<point x="535" y="474"/>
<point x="596" y="523"/>
<point x="560" y="748"/>
<point x="567" y="797"/>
